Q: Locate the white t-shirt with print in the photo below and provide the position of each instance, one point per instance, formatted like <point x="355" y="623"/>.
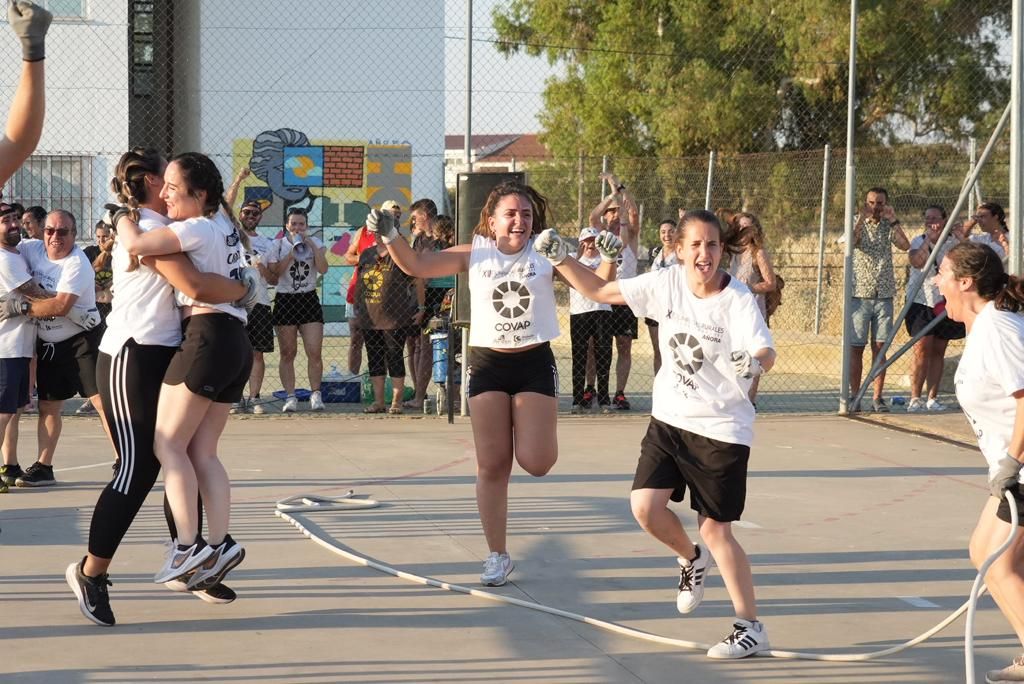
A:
<point x="71" y="275"/>
<point x="259" y="248"/>
<point x="214" y="246"/>
<point x="696" y="388"/>
<point x="990" y="371"/>
<point x="578" y="303"/>
<point x="928" y="294"/>
<point x="143" y="307"/>
<point x="301" y="274"/>
<point x="18" y="333"/>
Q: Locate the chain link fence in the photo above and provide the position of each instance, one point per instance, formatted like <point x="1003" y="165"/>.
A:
<point x="336" y="108"/>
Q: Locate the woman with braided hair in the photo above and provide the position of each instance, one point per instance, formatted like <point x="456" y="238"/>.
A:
<point x="990" y="388"/>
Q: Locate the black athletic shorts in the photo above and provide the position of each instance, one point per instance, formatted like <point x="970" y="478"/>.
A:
<point x="1003" y="512"/>
<point x="715" y="471"/>
<point x="214" y="359"/>
<point x="13" y="384"/>
<point x="920" y="315"/>
<point x="261" y="329"/>
<point x="297" y="308"/>
<point x="533" y="370"/>
<point x="67" y="368"/>
<point x="622" y="322"/>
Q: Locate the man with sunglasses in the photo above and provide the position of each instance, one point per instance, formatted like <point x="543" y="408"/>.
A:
<point x="618" y="214"/>
<point x="68" y="333"/>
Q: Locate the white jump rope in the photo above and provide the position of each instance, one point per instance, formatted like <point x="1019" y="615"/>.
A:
<point x="301" y="505"/>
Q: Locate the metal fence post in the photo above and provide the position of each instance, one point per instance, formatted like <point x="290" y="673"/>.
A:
<point x="579" y="190"/>
<point x="821" y="238"/>
<point x="711" y="177"/>
<point x="972" y="152"/>
<point x="851" y="199"/>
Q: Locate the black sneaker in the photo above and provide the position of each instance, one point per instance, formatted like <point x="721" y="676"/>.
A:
<point x="620" y="401"/>
<point x="879" y="405"/>
<point x="225" y="557"/>
<point x="92" y="595"/>
<point x="218" y="593"/>
<point x="37" y="475"/>
<point x="9" y="474"/>
<point x="588" y="397"/>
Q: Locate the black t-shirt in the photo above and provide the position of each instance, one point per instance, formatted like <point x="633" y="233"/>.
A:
<point x="104" y="276"/>
<point x="385" y="298"/>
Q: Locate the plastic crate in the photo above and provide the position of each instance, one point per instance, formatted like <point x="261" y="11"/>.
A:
<point x="346" y="392"/>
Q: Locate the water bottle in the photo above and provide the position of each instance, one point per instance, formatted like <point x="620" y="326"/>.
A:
<point x="334" y="375"/>
<point x="428" y="406"/>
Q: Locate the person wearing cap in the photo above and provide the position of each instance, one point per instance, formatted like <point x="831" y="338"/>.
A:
<point x="618" y="214"/>
<point x="260" y="326"/>
<point x="588" y="333"/>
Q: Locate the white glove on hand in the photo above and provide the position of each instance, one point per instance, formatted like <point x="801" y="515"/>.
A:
<point x="30" y="23"/>
<point x="86" y="317"/>
<point x="1007" y="471"/>
<point x="609" y="245"/>
<point x="550" y="245"/>
<point x="249" y="277"/>
<point x="745" y="365"/>
<point x="11" y="306"/>
<point x="383" y="224"/>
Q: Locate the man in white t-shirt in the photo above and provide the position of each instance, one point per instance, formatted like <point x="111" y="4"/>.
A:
<point x="259" y="326"/>
<point x="68" y="335"/>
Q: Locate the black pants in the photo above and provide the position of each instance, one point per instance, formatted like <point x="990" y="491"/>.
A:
<point x="584" y="327"/>
<point x="385" y="351"/>
<point x="129" y="386"/>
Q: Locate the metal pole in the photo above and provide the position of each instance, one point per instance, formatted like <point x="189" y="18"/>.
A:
<point x="1016" y="142"/>
<point x="513" y="164"/>
<point x="821" y="238"/>
<point x="972" y="154"/>
<point x="579" y="191"/>
<point x="850" y="202"/>
<point x="711" y="178"/>
<point x="467" y="148"/>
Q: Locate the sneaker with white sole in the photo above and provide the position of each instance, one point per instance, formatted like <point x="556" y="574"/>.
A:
<point x="692" y="574"/>
<point x="316" y="401"/>
<point x="240" y="406"/>
<point x="915" y="405"/>
<point x="291" y="405"/>
<point x="1014" y="672"/>
<point x="497" y="568"/>
<point x="256" y="404"/>
<point x="935" y="405"/>
<point x="9" y="474"/>
<point x="182" y="560"/>
<point x="747" y="638"/>
<point x="86" y="409"/>
<point x="218" y="593"/>
<point x="226" y="556"/>
<point x="37" y="475"/>
<point x="93" y="599"/>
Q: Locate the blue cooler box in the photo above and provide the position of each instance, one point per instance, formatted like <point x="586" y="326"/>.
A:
<point x="341" y="392"/>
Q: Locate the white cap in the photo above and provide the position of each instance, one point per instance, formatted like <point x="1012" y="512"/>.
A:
<point x="588" y="232"/>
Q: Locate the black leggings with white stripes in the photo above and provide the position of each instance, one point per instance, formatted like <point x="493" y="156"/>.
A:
<point x="129" y="386"/>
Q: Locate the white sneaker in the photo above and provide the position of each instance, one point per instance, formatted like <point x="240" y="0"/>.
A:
<point x="1014" y="672"/>
<point x="256" y="404"/>
<point x="915" y="405"/>
<point x="747" y="638"/>
<point x="316" y="402"/>
<point x="691" y="580"/>
<point x="239" y="406"/>
<point x="497" y="568"/>
<point x="225" y="557"/>
<point x="182" y="561"/>
<point x="291" y="405"/>
<point x="934" y="405"/>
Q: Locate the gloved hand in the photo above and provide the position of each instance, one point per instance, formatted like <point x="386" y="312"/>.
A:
<point x="745" y="365"/>
<point x="1007" y="471"/>
<point x="609" y="245"/>
<point x="30" y="23"/>
<point x="382" y="223"/>
<point x="550" y="245"/>
<point x="250" y="277"/>
<point x="12" y="305"/>
<point x="114" y="213"/>
<point x="86" y="317"/>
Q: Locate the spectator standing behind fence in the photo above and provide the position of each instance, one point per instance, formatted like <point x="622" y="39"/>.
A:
<point x="618" y="214"/>
<point x="875" y="230"/>
<point x="387" y="313"/>
<point x="260" y="326"/>
<point x="297" y="259"/>
<point x="928" y="361"/>
<point x="99" y="255"/>
<point x="423" y="214"/>
<point x="589" y="333"/>
<point x="32" y="220"/>
<point x="752" y="266"/>
<point x="990" y="218"/>
<point x="662" y="256"/>
<point x="362" y="240"/>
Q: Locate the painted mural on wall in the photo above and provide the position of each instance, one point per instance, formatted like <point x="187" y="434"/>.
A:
<point x="335" y="181"/>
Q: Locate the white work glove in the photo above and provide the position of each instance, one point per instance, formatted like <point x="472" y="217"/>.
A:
<point x="609" y="245"/>
<point x="249" y="277"/>
<point x="550" y="245"/>
<point x="30" y="23"/>
<point x="85" y="317"/>
<point x="382" y="223"/>
<point x="745" y="365"/>
<point x="11" y="306"/>
<point x="1007" y="472"/>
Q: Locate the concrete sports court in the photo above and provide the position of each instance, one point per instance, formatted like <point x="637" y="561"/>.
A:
<point x="857" y="532"/>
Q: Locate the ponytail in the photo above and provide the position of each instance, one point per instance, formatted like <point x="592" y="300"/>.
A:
<point x="1011" y="297"/>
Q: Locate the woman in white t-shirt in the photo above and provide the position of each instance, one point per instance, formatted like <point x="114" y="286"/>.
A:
<point x="297" y="259"/>
<point x="990" y="388"/>
<point x="590" y="335"/>
<point x="664" y="257"/>
<point x="714" y="341"/>
<point x="208" y="372"/>
<point x="513" y="379"/>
